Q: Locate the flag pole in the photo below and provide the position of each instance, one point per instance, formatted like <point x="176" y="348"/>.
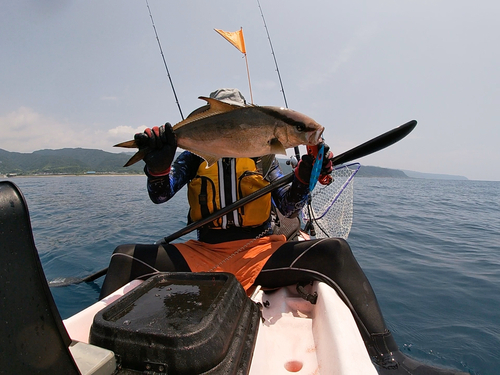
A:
<point x="246" y="61"/>
<point x="249" y="84"/>
<point x="236" y="39"/>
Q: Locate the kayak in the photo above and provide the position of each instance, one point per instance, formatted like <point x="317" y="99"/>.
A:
<point x="192" y="323"/>
<point x="174" y="323"/>
<point x="272" y="332"/>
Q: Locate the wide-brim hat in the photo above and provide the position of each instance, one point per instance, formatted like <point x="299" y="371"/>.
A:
<point x="230" y="96"/>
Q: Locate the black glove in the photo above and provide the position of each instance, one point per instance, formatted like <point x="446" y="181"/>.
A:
<point x="162" y="144"/>
<point x="327" y="167"/>
<point x="304" y="168"/>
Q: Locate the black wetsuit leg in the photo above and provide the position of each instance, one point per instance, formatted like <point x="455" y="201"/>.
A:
<point x="133" y="261"/>
<point x="332" y="262"/>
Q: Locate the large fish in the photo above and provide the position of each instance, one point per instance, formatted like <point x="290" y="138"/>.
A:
<point x="227" y="130"/>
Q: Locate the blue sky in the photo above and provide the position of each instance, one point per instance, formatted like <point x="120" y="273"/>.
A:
<point x="89" y="73"/>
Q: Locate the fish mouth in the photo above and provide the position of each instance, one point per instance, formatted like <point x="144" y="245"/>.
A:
<point x="315" y="137"/>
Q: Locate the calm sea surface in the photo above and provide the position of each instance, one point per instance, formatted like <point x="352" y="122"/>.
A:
<point x="430" y="248"/>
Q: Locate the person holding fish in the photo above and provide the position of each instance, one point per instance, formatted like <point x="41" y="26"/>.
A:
<point x="230" y="150"/>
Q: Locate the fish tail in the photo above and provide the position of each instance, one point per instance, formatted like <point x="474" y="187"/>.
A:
<point x="139" y="155"/>
<point x="127" y="144"/>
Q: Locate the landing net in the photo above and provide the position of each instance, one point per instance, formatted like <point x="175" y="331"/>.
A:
<point x="329" y="213"/>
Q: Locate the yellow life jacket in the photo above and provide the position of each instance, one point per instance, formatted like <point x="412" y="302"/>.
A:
<point x="224" y="183"/>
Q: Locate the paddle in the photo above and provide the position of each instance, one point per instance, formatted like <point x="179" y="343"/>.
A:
<point x="65" y="281"/>
<point x="367" y="148"/>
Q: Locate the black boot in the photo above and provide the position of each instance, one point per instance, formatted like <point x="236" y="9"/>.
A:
<point x="390" y="361"/>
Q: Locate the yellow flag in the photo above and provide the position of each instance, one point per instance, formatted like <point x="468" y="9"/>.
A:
<point x="235" y="38"/>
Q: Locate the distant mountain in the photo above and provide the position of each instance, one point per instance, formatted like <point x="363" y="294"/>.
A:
<point x="82" y="161"/>
<point x="369" y="171"/>
<point x="433" y="176"/>
<point x="65" y="161"/>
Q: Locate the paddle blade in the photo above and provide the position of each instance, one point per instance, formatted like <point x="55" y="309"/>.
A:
<point x="376" y="144"/>
<point x="65" y="281"/>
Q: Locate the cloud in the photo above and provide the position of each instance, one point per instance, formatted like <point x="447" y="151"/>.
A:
<point x="118" y="134"/>
<point x="26" y="130"/>
<point x="123" y="130"/>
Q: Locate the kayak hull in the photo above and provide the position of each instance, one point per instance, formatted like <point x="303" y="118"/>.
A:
<point x="294" y="335"/>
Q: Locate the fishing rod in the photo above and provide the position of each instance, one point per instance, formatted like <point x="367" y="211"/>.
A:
<point x="369" y="147"/>
<point x="296" y="148"/>
<point x="164" y="61"/>
<point x="274" y="55"/>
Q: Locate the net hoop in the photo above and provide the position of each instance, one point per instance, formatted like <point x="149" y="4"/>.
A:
<point x="330" y="208"/>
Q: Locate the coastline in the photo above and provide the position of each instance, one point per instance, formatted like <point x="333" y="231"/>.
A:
<point x="74" y="175"/>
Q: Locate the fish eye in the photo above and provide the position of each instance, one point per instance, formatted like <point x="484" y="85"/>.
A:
<point x="301" y="127"/>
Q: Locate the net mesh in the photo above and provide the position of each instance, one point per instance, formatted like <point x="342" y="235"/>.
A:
<point x="330" y="208"/>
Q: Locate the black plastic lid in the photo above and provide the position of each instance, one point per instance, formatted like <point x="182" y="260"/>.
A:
<point x="181" y="323"/>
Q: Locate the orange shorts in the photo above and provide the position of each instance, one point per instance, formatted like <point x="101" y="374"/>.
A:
<point x="243" y="258"/>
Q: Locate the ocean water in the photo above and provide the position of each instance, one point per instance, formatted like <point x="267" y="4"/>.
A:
<point x="430" y="249"/>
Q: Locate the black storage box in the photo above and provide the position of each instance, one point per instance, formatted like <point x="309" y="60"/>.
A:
<point x="181" y="323"/>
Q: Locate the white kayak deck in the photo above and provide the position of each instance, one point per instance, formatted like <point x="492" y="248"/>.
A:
<point x="294" y="337"/>
<point x="298" y="337"/>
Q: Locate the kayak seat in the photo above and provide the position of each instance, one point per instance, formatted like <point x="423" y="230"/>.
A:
<point x="34" y="339"/>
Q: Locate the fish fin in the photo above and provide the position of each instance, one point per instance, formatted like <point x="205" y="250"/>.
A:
<point x="139" y="155"/>
<point x="217" y="105"/>
<point x="266" y="162"/>
<point x="210" y="159"/>
<point x="277" y="147"/>
<point x="127" y="144"/>
<point x="204" y="108"/>
<point x="216" y="108"/>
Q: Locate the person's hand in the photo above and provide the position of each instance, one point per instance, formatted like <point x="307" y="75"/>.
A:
<point x="327" y="165"/>
<point x="161" y="145"/>
<point x="304" y="168"/>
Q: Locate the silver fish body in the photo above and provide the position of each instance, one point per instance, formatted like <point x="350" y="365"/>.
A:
<point x="226" y="130"/>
